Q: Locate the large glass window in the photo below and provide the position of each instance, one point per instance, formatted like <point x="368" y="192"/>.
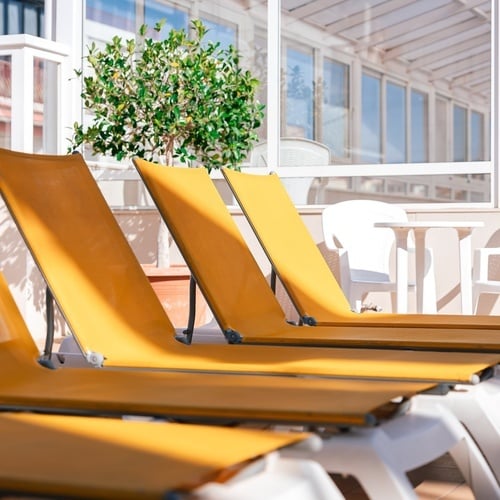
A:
<point x="155" y="11"/>
<point x="419" y="127"/>
<point x="459" y="133"/>
<point x="368" y="82"/>
<point x="335" y="107"/>
<point x="396" y="123"/>
<point x="223" y="33"/>
<point x="21" y="16"/>
<point x="117" y="13"/>
<point x="299" y="94"/>
<point x="442" y="129"/>
<point x="476" y="136"/>
<point x="371" y="127"/>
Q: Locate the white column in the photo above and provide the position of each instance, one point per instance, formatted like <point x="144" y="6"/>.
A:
<point x="495" y="101"/>
<point x="22" y="100"/>
<point x="66" y="26"/>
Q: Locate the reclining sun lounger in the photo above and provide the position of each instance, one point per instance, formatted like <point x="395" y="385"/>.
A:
<point x="253" y="315"/>
<point x="59" y="456"/>
<point x="239" y="295"/>
<point x="118" y="321"/>
<point x="386" y="438"/>
<point x="304" y="272"/>
<point x="82" y="248"/>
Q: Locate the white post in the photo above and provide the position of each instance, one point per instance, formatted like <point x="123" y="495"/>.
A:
<point x="273" y="82"/>
<point x="22" y="100"/>
<point x="67" y="28"/>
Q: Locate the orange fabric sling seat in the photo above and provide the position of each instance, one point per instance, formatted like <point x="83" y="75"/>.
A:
<point x="103" y="458"/>
<point x="243" y="302"/>
<point x="366" y="407"/>
<point x="117" y="320"/>
<point x="238" y="292"/>
<point x="303" y="270"/>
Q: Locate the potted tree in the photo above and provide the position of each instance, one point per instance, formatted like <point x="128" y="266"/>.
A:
<point x="177" y="100"/>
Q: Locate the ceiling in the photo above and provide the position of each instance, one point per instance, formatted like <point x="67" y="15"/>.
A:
<point x="448" y="41"/>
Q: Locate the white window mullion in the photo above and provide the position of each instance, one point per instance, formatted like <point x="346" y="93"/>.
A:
<point x="355" y="108"/>
<point x="273" y="82"/>
<point x="495" y="102"/>
<point x="383" y="119"/>
<point x="22" y="100"/>
<point x="408" y="121"/>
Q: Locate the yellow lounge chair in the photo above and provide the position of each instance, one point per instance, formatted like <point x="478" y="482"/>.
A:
<point x="82" y="248"/>
<point x="240" y="297"/>
<point x="239" y="294"/>
<point x="118" y="321"/>
<point x="61" y="456"/>
<point x="303" y="271"/>
<point x="381" y="431"/>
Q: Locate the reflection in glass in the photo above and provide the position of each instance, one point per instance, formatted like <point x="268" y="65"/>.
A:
<point x="223" y="33"/>
<point x="404" y="189"/>
<point x="5" y="101"/>
<point x="14" y="18"/>
<point x="117" y="13"/>
<point x="459" y="133"/>
<point x="156" y="11"/>
<point x="418" y="127"/>
<point x="476" y="136"/>
<point x="396" y="124"/>
<point x="370" y="120"/>
<point x="40" y="68"/>
<point x="441" y="141"/>
<point x="299" y="94"/>
<point x="335" y="111"/>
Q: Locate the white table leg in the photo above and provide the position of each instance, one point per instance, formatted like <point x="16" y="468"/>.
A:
<point x="465" y="256"/>
<point x="420" y="266"/>
<point x="401" y="269"/>
<point x="424" y="275"/>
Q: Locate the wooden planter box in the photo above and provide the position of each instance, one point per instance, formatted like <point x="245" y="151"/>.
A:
<point x="171" y="285"/>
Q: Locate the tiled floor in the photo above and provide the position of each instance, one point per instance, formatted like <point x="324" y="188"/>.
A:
<point x="440" y="480"/>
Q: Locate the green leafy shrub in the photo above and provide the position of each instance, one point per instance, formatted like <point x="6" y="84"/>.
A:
<point x="181" y="97"/>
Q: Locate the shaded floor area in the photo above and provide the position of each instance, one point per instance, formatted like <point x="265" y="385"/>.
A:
<point x="435" y="481"/>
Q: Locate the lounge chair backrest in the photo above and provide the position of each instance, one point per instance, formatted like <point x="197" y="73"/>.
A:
<point x="227" y="273"/>
<point x="292" y="241"/>
<point x="85" y="259"/>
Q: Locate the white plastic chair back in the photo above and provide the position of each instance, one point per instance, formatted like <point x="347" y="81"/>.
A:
<point x="351" y="224"/>
<point x="294" y="152"/>
<point x="364" y="251"/>
<point x="486" y="274"/>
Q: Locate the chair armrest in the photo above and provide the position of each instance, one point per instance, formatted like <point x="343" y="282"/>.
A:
<point x="338" y="261"/>
<point x="482" y="262"/>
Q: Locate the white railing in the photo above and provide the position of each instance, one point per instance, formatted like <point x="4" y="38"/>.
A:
<point x="33" y="95"/>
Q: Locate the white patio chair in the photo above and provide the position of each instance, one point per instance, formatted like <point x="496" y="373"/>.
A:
<point x="294" y="152"/>
<point x="364" y="251"/>
<point x="485" y="273"/>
